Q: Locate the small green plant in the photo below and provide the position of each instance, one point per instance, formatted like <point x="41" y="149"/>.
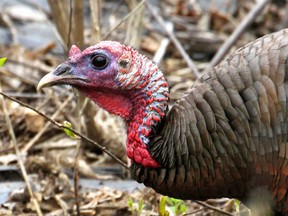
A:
<point x="237" y="205"/>
<point x="2" y="61"/>
<point x="162" y="210"/>
<point x="136" y="208"/>
<point x="177" y="206"/>
<point x="68" y="132"/>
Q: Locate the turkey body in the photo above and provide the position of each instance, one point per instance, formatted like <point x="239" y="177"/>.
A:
<point x="226" y="136"/>
<point x="228" y="133"/>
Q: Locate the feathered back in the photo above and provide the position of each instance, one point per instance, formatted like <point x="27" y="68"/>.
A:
<point x="228" y="133"/>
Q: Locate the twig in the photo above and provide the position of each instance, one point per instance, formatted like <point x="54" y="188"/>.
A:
<point x="25" y="95"/>
<point x="125" y="18"/>
<point x="213" y="208"/>
<point x="19" y="158"/>
<point x="7" y="20"/>
<point x="195" y="211"/>
<point x="96" y="12"/>
<point x="61" y="203"/>
<point x="75" y="165"/>
<point x="43" y="129"/>
<point x="174" y="40"/>
<point x="59" y="13"/>
<point x="76" y="178"/>
<point x="70" y="24"/>
<point x="27" y="80"/>
<point x="134" y="24"/>
<point x="158" y="56"/>
<point x="38" y="66"/>
<point x="77" y="23"/>
<point x="61" y="126"/>
<point x="236" y="34"/>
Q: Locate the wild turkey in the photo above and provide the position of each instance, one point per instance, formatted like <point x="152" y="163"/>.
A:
<point x="226" y="136"/>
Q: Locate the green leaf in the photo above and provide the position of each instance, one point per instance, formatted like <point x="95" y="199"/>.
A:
<point x="141" y="205"/>
<point x="2" y="61"/>
<point x="177" y="206"/>
<point x="162" y="211"/>
<point x="69" y="132"/>
<point x="135" y="207"/>
<point x="130" y="204"/>
<point x="183" y="208"/>
<point x="237" y="205"/>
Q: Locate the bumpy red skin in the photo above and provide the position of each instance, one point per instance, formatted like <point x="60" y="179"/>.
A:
<point x="136" y="91"/>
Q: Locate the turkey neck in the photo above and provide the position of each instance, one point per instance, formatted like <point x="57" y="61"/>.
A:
<point x="149" y="104"/>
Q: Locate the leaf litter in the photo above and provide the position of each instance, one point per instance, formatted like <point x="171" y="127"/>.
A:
<point x="50" y="157"/>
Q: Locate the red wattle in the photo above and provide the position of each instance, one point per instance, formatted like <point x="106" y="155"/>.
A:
<point x="113" y="102"/>
<point x="140" y="155"/>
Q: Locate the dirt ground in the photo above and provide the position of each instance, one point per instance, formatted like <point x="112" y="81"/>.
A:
<point x="45" y="172"/>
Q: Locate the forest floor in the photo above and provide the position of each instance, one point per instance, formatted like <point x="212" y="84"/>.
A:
<point x="44" y="171"/>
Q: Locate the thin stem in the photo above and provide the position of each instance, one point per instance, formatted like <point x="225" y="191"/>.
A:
<point x="236" y="34"/>
<point x="125" y="18"/>
<point x="61" y="126"/>
<point x="213" y="208"/>
<point x="19" y="158"/>
<point x="173" y="38"/>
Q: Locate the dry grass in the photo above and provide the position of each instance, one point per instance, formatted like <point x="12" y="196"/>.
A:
<point x="49" y="156"/>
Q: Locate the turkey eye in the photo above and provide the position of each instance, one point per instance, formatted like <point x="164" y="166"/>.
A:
<point x="99" y="62"/>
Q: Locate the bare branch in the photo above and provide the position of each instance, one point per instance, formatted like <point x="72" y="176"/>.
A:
<point x="96" y="12"/>
<point x="125" y="18"/>
<point x="61" y="126"/>
<point x="19" y="158"/>
<point x="173" y="38"/>
<point x="43" y="129"/>
<point x="236" y="34"/>
<point x="214" y="208"/>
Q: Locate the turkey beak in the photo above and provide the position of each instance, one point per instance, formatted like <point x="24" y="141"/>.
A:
<point x="63" y="74"/>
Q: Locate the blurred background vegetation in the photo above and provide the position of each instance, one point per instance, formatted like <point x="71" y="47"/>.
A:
<point x="35" y="36"/>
